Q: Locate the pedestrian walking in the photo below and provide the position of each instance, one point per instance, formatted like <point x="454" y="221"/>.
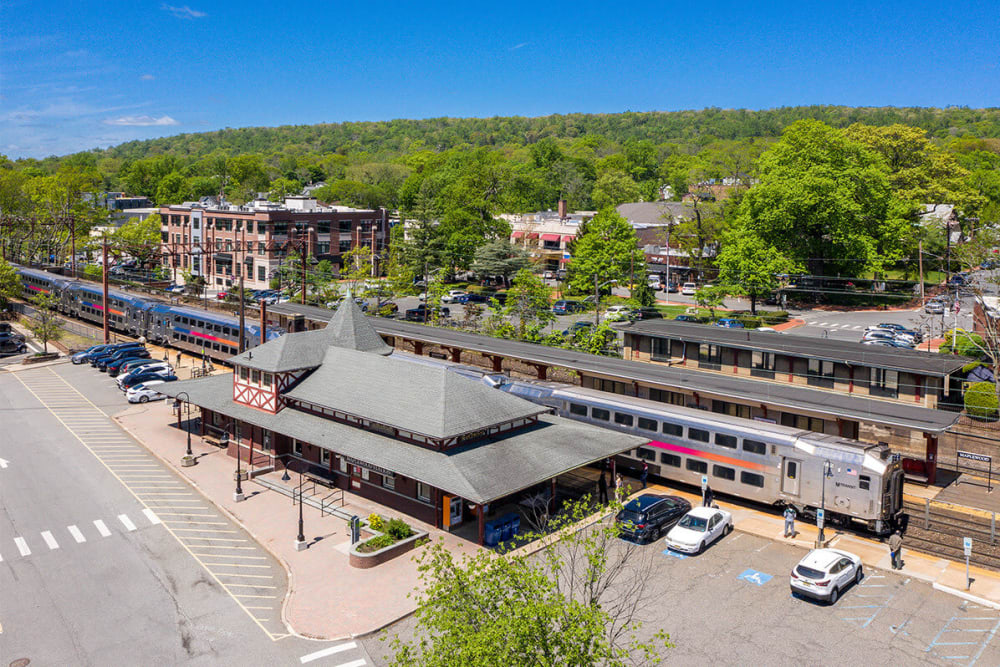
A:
<point x="789" y="515"/>
<point x="602" y="489"/>
<point x="619" y="485"/>
<point x="707" y="496"/>
<point x="178" y="360"/>
<point x="645" y="474"/>
<point x="896" y="550"/>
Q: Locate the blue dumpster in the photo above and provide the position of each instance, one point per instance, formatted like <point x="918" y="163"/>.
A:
<point x="508" y="526"/>
<point x="492" y="533"/>
<point x="515" y="525"/>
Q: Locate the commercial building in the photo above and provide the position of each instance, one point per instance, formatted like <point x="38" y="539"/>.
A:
<point x="337" y="404"/>
<point x="222" y="242"/>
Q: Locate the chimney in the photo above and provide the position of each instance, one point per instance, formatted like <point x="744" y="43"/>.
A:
<point x="562" y="209"/>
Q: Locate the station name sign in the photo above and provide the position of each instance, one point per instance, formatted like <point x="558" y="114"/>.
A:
<point x="362" y="464"/>
<point x="982" y="458"/>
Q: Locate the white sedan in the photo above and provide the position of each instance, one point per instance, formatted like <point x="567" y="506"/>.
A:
<point x="452" y="295"/>
<point x="145" y="392"/>
<point x="699" y="528"/>
<point x="824" y="573"/>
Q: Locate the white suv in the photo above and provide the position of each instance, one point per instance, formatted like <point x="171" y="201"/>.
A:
<point x="688" y="289"/>
<point x="452" y="295"/>
<point x="824" y="573"/>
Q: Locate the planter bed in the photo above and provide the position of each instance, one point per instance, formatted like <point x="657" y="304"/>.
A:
<point x="363" y="560"/>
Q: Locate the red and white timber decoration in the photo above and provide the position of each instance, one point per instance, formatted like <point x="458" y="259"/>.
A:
<point x="260" y="390"/>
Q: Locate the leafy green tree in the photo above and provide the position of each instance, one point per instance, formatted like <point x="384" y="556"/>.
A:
<point x="613" y="188"/>
<point x="172" y="189"/>
<point x="828" y="202"/>
<point x="46" y="326"/>
<point x="528" y="301"/>
<point x="10" y="285"/>
<point x="751" y="268"/>
<point x="605" y="250"/>
<point x="575" y="602"/>
<point x="284" y="187"/>
<point x="500" y="258"/>
<point x="643" y="295"/>
<point x="711" y="297"/>
<point x="140" y="239"/>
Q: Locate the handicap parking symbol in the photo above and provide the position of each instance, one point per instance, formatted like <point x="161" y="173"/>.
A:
<point x="671" y="552"/>
<point x="755" y="577"/>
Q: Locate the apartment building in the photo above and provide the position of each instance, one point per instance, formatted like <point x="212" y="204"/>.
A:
<point x="223" y="242"/>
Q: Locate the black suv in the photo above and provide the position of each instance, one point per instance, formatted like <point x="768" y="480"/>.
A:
<point x="12" y="343"/>
<point x="648" y="516"/>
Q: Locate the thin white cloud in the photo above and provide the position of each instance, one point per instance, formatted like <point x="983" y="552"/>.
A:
<point x="141" y="121"/>
<point x="184" y="12"/>
<point x="517" y="46"/>
<point x="147" y="77"/>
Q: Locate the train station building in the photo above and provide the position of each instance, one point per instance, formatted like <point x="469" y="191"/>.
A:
<point x="334" y="403"/>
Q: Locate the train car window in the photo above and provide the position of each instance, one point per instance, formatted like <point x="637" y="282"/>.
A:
<point x="864" y="482"/>
<point x="791" y="470"/>
<point x="623" y="419"/>
<point x="722" y="472"/>
<point x="577" y="409"/>
<point x="725" y="440"/>
<point x="670" y="460"/>
<point x="645" y="453"/>
<point x="648" y="424"/>
<point x="695" y="465"/>
<point x="698" y="434"/>
<point x="599" y="413"/>
<point x="752" y="479"/>
<point x="754" y="447"/>
<point x="673" y="429"/>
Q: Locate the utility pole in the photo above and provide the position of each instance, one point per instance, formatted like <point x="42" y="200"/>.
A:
<point x="597" y="301"/>
<point x="242" y="346"/>
<point x="104" y="285"/>
<point x="302" y="257"/>
<point x="920" y="264"/>
<point x="72" y="241"/>
<point x="263" y="321"/>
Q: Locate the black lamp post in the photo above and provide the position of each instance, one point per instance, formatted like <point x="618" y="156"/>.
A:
<point x="177" y="406"/>
<point x="301" y="537"/>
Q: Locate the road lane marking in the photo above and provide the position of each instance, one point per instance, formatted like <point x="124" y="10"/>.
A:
<point x="22" y="546"/>
<point x="102" y="529"/>
<point x="151" y="515"/>
<point x="261" y="567"/>
<point x="230" y="555"/>
<point x="49" y="540"/>
<point x="127" y="522"/>
<point x="199" y="530"/>
<point x="77" y="535"/>
<point x="339" y="648"/>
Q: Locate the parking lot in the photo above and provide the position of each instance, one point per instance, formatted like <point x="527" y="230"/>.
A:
<point x="732" y="605"/>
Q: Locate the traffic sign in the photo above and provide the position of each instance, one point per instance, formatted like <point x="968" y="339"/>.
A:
<point x="704" y="481"/>
<point x="967" y="545"/>
<point x="820" y="515"/>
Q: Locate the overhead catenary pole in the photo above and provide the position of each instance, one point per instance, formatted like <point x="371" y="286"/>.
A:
<point x="72" y="241"/>
<point x="302" y="256"/>
<point x="263" y="320"/>
<point x="104" y="287"/>
<point x="920" y="265"/>
<point x="242" y="345"/>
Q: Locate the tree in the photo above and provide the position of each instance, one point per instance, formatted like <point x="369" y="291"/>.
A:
<point x="139" y="238"/>
<point x="613" y="188"/>
<point x="284" y="187"/>
<point x="828" y="202"/>
<point x="575" y="602"/>
<point x="711" y="297"/>
<point x="605" y="250"/>
<point x="751" y="268"/>
<point x="10" y="285"/>
<point x="528" y="302"/>
<point x="501" y="259"/>
<point x="46" y="326"/>
<point x="643" y="294"/>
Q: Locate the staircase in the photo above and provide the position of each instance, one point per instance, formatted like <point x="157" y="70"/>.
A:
<point x="327" y="501"/>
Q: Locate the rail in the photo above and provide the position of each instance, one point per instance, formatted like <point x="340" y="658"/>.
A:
<point x="938" y="528"/>
<point x="330" y="500"/>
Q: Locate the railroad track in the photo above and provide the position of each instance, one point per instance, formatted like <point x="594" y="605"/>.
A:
<point x="942" y="535"/>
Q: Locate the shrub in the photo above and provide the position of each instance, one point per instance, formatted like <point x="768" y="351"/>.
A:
<point x="398" y="529"/>
<point x="966" y="344"/>
<point x="377" y="522"/>
<point x="376" y="543"/>
<point x="981" y="400"/>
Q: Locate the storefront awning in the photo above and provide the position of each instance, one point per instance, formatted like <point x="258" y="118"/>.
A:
<point x="550" y="237"/>
<point x="532" y="236"/>
<point x="517" y="235"/>
<point x="567" y="239"/>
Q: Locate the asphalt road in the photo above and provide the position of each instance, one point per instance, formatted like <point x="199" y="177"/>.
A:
<point x="732" y="605"/>
<point x="107" y="557"/>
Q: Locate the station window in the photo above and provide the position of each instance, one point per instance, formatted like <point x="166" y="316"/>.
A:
<point x="864" y="482"/>
<point x="723" y="472"/>
<point x="645" y="453"/>
<point x="389" y="480"/>
<point x="694" y="465"/>
<point x="762" y="364"/>
<point x="884" y="383"/>
<point x="754" y="447"/>
<point x="623" y="419"/>
<point x="670" y="460"/>
<point x="267" y="379"/>
<point x="725" y="440"/>
<point x="423" y="491"/>
<point x="577" y="409"/>
<point x="647" y="424"/>
<point x="709" y="356"/>
<point x="343" y="465"/>
<point x="296" y="446"/>
<point x="601" y="414"/>
<point x="255" y="377"/>
<point x="752" y="479"/>
<point x="698" y="434"/>
<point x="820" y="373"/>
<point x="244" y="373"/>
<point x="324" y="456"/>
<point x="673" y="429"/>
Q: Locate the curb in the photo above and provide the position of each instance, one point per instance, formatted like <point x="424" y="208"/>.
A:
<point x="966" y="596"/>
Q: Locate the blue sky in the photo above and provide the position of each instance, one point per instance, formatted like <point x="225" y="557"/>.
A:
<point x="80" y="75"/>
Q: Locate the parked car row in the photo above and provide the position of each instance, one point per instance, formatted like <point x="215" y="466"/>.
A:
<point x="891" y="335"/>
<point x="130" y="364"/>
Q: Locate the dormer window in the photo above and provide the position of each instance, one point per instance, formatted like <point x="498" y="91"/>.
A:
<point x="267" y="379"/>
<point x="244" y="373"/>
<point x="255" y="377"/>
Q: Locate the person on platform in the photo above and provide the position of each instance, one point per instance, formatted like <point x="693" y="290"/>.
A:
<point x="602" y="489"/>
<point x="645" y="474"/>
<point x="789" y="515"/>
<point x="708" y="497"/>
<point x="896" y="550"/>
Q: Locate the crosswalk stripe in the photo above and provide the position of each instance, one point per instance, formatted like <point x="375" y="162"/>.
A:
<point x="77" y="535"/>
<point x="102" y="529"/>
<point x="151" y="515"/>
<point x="339" y="648"/>
<point x="49" y="540"/>
<point x="22" y="546"/>
<point x="127" y="522"/>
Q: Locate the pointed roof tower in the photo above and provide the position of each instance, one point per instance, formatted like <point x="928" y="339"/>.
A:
<point x="350" y="328"/>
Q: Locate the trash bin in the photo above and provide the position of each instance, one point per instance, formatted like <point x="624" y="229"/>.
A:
<point x="491" y="533"/>
<point x="515" y="525"/>
<point x="508" y="526"/>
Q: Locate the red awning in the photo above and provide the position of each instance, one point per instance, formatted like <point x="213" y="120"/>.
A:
<point x="532" y="236"/>
<point x="567" y="239"/>
<point x="550" y="237"/>
<point x="517" y="235"/>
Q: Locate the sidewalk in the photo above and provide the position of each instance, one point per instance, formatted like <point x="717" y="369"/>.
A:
<point x="942" y="574"/>
<point x="327" y="598"/>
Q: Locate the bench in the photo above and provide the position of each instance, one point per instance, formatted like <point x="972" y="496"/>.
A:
<point x="319" y="479"/>
<point x="211" y="440"/>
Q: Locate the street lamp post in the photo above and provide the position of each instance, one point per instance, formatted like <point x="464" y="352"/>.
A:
<point x="188" y="458"/>
<point x="300" y="540"/>
<point x="827" y="472"/>
<point x="238" y="495"/>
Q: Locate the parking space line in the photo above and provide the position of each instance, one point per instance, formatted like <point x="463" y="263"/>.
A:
<point x="231" y="556"/>
<point x="102" y="529"/>
<point x="77" y="535"/>
<point x="22" y="546"/>
<point x="199" y="530"/>
<point x="127" y="522"/>
<point x="49" y="540"/>
<point x="262" y="567"/>
<point x="153" y="519"/>
<point x="246" y="576"/>
<point x="251" y="586"/>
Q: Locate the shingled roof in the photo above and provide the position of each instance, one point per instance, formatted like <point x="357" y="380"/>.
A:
<point x="427" y="400"/>
<point x="349" y="328"/>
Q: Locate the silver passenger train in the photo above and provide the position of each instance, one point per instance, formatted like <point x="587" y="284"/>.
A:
<point x="759" y="461"/>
